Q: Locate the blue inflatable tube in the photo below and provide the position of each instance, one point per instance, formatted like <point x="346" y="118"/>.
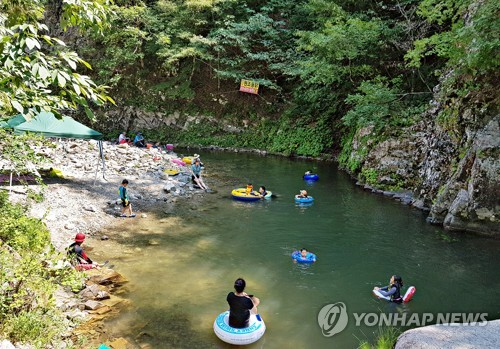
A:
<point x="311" y="177"/>
<point x="302" y="200"/>
<point x="310" y="257"/>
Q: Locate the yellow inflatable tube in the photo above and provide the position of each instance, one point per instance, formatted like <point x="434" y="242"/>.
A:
<point x="188" y="159"/>
<point x="241" y="194"/>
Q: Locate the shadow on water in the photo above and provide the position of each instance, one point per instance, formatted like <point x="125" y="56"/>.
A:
<point x="182" y="265"/>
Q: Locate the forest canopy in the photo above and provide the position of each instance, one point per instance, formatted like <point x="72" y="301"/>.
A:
<point x="325" y="68"/>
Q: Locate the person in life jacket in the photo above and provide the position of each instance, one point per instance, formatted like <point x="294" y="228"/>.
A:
<point x="262" y="192"/>
<point x="77" y="255"/>
<point x="393" y="290"/>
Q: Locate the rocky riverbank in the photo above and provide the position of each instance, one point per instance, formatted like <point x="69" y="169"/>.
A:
<point x="80" y="197"/>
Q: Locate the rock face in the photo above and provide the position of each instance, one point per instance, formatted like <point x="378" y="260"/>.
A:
<point x="451" y="337"/>
<point x="133" y="118"/>
<point x="450" y="160"/>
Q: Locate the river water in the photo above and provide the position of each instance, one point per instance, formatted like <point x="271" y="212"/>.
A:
<point x="182" y="265"/>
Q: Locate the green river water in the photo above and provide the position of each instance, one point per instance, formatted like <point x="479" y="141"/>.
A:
<point x="182" y="265"/>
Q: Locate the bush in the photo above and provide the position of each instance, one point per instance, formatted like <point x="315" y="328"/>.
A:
<point x="38" y="328"/>
<point x="386" y="339"/>
<point x="18" y="230"/>
<point x="28" y="280"/>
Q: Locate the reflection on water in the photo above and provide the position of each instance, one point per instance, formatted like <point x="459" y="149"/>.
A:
<point x="182" y="266"/>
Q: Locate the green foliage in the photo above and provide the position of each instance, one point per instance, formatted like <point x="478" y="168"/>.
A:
<point x="257" y="44"/>
<point x="348" y="158"/>
<point x="30" y="273"/>
<point x="386" y="339"/>
<point x="342" y="39"/>
<point x="291" y="137"/>
<point x="17" y="152"/>
<point x="281" y="136"/>
<point x="36" y="327"/>
<point x="35" y="196"/>
<point x="18" y="230"/>
<point x="370" y="175"/>
<point x="37" y="70"/>
<point x="381" y="104"/>
<point x="470" y="48"/>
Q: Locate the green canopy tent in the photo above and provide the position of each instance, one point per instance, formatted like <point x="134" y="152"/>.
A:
<point x="13" y="121"/>
<point x="48" y="125"/>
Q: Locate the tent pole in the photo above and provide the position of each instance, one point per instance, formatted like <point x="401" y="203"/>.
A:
<point x="101" y="151"/>
<point x="96" y="169"/>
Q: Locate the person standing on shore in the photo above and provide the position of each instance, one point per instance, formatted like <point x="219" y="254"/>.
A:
<point x="126" y="205"/>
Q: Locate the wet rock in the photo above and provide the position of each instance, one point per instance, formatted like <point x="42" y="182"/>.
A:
<point x="105" y="277"/>
<point x="90" y="292"/>
<point x="76" y="314"/>
<point x="102" y="295"/>
<point x="484" y="214"/>
<point x="120" y="343"/>
<point x="93" y="305"/>
<point x="102" y="310"/>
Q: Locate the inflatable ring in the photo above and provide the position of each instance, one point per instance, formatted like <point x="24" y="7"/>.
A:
<point x="171" y="172"/>
<point x="311" y="177"/>
<point x="268" y="195"/>
<point x="178" y="162"/>
<point x="239" y="336"/>
<point x="406" y="298"/>
<point x="302" y="200"/>
<point x="188" y="159"/>
<point x="241" y="194"/>
<point x="310" y="257"/>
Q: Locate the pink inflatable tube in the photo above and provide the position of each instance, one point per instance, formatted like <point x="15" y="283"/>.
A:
<point x="178" y="162"/>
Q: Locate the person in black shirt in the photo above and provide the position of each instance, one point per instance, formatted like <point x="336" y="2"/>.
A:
<point x="240" y="305"/>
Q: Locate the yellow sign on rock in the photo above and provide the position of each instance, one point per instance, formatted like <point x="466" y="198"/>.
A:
<point x="249" y="86"/>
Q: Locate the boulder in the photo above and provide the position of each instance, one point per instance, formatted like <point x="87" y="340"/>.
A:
<point x="5" y="344"/>
<point x="457" y="336"/>
<point x="105" y="277"/>
<point x="93" y="305"/>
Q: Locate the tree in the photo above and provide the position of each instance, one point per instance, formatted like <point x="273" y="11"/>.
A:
<point x="37" y="70"/>
<point x="468" y="38"/>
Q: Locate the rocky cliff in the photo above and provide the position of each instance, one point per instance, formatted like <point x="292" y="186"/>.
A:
<point x="449" y="159"/>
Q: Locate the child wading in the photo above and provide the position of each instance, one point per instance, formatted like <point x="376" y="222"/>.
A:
<point x="127" y="206"/>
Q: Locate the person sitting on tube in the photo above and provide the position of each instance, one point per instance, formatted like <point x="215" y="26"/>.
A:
<point x="393" y="290"/>
<point x="241" y="305"/>
<point x="262" y="192"/>
<point x="302" y="195"/>
<point x="305" y="255"/>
